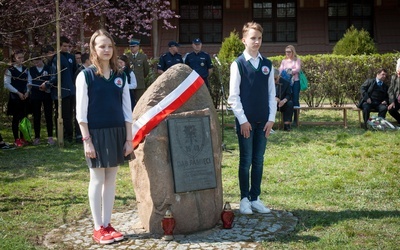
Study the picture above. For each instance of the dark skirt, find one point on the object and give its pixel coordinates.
(18, 106)
(109, 146)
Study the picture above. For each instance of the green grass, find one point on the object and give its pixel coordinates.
(342, 184)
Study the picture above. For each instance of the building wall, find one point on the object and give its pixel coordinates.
(312, 28)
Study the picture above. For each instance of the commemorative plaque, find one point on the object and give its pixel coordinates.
(191, 153)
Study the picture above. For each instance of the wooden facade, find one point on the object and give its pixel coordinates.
(311, 24)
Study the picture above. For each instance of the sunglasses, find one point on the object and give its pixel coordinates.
(288, 51)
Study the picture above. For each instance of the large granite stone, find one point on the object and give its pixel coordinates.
(152, 173)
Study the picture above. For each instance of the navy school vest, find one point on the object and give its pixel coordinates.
(254, 93)
(105, 99)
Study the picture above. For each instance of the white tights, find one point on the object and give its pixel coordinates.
(102, 194)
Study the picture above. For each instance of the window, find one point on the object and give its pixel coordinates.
(278, 19)
(200, 19)
(343, 14)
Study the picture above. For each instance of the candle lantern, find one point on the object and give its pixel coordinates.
(168, 225)
(227, 216)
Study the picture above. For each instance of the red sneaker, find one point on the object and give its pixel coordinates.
(24, 141)
(101, 236)
(117, 236)
(18, 143)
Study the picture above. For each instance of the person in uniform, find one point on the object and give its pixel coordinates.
(200, 61)
(140, 66)
(170, 58)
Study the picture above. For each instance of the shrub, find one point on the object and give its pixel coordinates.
(336, 79)
(231, 47)
(355, 42)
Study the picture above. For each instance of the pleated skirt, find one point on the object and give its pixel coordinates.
(109, 146)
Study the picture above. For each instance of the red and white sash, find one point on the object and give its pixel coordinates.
(166, 106)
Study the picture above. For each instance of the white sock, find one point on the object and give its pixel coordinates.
(101, 194)
(109, 194)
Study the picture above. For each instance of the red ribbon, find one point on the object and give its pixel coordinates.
(169, 104)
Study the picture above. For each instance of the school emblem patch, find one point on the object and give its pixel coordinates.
(265, 70)
(118, 82)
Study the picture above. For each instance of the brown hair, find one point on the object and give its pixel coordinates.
(93, 55)
(251, 25)
(125, 59)
(380, 70)
(15, 53)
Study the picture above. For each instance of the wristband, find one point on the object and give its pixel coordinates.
(86, 138)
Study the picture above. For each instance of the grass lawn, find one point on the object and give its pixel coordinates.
(342, 184)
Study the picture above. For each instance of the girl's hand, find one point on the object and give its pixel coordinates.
(128, 148)
(21, 96)
(89, 149)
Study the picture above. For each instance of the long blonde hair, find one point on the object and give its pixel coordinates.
(291, 47)
(93, 55)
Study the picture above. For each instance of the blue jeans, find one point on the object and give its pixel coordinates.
(252, 151)
(296, 93)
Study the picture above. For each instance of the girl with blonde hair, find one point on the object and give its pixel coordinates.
(103, 111)
(291, 66)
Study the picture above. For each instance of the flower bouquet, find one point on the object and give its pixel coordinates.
(380, 124)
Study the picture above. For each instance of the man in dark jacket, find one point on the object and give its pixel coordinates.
(283, 99)
(394, 96)
(374, 95)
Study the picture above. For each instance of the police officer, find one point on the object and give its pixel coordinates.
(200, 61)
(170, 58)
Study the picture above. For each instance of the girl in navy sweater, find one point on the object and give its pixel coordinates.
(103, 111)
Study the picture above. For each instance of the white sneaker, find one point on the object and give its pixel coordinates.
(245, 206)
(259, 207)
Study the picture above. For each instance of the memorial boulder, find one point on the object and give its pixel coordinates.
(177, 166)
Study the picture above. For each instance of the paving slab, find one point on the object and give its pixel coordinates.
(248, 232)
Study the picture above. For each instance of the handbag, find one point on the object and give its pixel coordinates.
(25, 127)
(303, 81)
(285, 75)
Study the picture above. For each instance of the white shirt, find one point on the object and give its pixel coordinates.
(82, 100)
(234, 90)
(133, 84)
(7, 79)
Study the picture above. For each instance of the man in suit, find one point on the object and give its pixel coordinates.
(374, 95)
(140, 66)
(283, 99)
(394, 95)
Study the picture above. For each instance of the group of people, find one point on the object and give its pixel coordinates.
(197, 60)
(257, 91)
(377, 96)
(288, 87)
(33, 88)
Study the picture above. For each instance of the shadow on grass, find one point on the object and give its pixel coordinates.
(311, 219)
